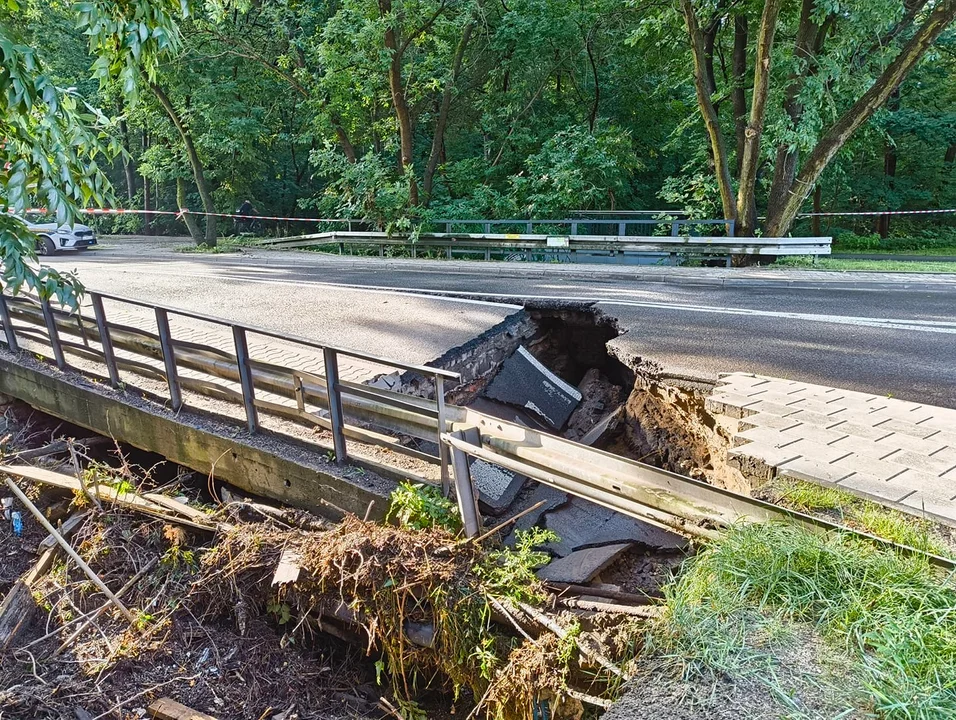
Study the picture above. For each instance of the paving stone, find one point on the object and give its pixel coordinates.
(908, 442)
(939, 507)
(497, 487)
(819, 452)
(818, 406)
(766, 420)
(772, 408)
(907, 428)
(929, 484)
(883, 469)
(814, 418)
(803, 468)
(581, 524)
(934, 465)
(873, 486)
(582, 566)
(857, 430)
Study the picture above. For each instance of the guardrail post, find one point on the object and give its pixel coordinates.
(245, 377)
(574, 228)
(675, 228)
(442, 449)
(169, 359)
(109, 356)
(731, 227)
(621, 229)
(487, 228)
(465, 489)
(8, 330)
(529, 228)
(335, 404)
(298, 391)
(53, 333)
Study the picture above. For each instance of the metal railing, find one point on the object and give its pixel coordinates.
(620, 225)
(246, 370)
(656, 496)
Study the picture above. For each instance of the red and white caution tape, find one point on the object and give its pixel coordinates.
(183, 211)
(879, 212)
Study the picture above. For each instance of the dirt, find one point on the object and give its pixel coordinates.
(642, 573)
(599, 397)
(668, 426)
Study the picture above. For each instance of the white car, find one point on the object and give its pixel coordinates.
(52, 237)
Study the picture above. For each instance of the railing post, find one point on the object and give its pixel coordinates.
(529, 227)
(335, 404)
(298, 391)
(169, 359)
(731, 227)
(621, 229)
(53, 333)
(574, 228)
(109, 356)
(8, 331)
(465, 489)
(442, 448)
(675, 227)
(245, 377)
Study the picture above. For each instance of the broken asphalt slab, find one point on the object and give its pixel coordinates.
(497, 487)
(582, 524)
(525, 382)
(582, 566)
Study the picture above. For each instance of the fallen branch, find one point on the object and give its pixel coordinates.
(644, 611)
(510, 520)
(542, 619)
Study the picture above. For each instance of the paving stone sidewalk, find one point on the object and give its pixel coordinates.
(895, 452)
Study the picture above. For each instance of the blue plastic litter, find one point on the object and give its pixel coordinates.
(16, 519)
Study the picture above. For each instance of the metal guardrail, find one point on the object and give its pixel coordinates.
(651, 494)
(573, 224)
(552, 246)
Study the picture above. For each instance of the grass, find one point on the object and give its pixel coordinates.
(894, 616)
(843, 265)
(231, 244)
(941, 250)
(860, 513)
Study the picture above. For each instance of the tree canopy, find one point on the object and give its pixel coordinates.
(397, 111)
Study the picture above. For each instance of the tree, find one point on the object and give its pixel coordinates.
(867, 80)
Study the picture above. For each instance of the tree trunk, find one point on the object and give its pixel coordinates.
(817, 208)
(738, 94)
(400, 103)
(889, 172)
(438, 139)
(191, 225)
(129, 169)
(779, 219)
(808, 43)
(746, 194)
(195, 163)
(147, 190)
(708, 112)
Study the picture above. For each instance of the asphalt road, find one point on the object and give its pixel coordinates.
(882, 333)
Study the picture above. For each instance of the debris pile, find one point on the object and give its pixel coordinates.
(143, 597)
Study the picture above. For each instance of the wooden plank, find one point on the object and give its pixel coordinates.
(18, 607)
(104, 492)
(168, 709)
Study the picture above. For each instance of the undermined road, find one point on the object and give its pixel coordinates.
(880, 333)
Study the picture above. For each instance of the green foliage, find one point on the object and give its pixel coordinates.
(510, 572)
(867, 515)
(50, 142)
(895, 614)
(420, 507)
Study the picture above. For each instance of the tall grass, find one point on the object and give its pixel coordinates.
(894, 614)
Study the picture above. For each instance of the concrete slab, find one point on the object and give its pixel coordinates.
(525, 382)
(582, 566)
(582, 524)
